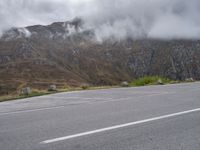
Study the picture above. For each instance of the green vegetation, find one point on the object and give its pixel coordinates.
(85, 86)
(150, 80)
(147, 80)
(21, 96)
(34, 93)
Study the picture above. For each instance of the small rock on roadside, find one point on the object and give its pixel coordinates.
(26, 91)
(160, 82)
(52, 88)
(189, 80)
(124, 84)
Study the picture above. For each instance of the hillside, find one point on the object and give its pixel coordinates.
(65, 54)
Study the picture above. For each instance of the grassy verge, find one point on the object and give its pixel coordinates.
(151, 80)
(16, 96)
(147, 80)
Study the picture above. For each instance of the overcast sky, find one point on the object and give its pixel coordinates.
(118, 18)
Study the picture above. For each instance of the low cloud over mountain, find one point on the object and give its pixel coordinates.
(165, 19)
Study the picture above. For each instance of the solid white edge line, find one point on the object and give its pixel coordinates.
(118, 126)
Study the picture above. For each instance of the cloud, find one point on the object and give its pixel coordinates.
(166, 19)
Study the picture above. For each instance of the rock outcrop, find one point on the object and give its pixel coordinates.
(64, 53)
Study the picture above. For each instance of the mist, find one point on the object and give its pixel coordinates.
(119, 19)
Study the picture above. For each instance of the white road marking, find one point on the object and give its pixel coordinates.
(41, 109)
(31, 110)
(117, 126)
(129, 98)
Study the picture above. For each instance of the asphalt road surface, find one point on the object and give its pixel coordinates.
(143, 118)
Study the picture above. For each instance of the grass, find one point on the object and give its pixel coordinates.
(16, 96)
(147, 80)
(150, 80)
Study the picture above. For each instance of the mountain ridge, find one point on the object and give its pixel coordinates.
(66, 54)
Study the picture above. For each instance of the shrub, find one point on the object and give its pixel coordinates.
(150, 80)
(85, 86)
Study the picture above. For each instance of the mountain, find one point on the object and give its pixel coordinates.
(65, 54)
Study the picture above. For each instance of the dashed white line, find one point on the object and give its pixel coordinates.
(117, 127)
(32, 110)
(41, 109)
(129, 98)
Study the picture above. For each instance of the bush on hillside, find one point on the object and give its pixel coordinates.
(150, 80)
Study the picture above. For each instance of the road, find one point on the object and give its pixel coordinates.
(142, 118)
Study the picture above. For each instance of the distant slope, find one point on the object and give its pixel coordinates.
(65, 54)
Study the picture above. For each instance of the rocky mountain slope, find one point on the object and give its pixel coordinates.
(63, 53)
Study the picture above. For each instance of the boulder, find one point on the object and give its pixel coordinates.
(124, 84)
(160, 82)
(52, 88)
(26, 91)
(189, 80)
